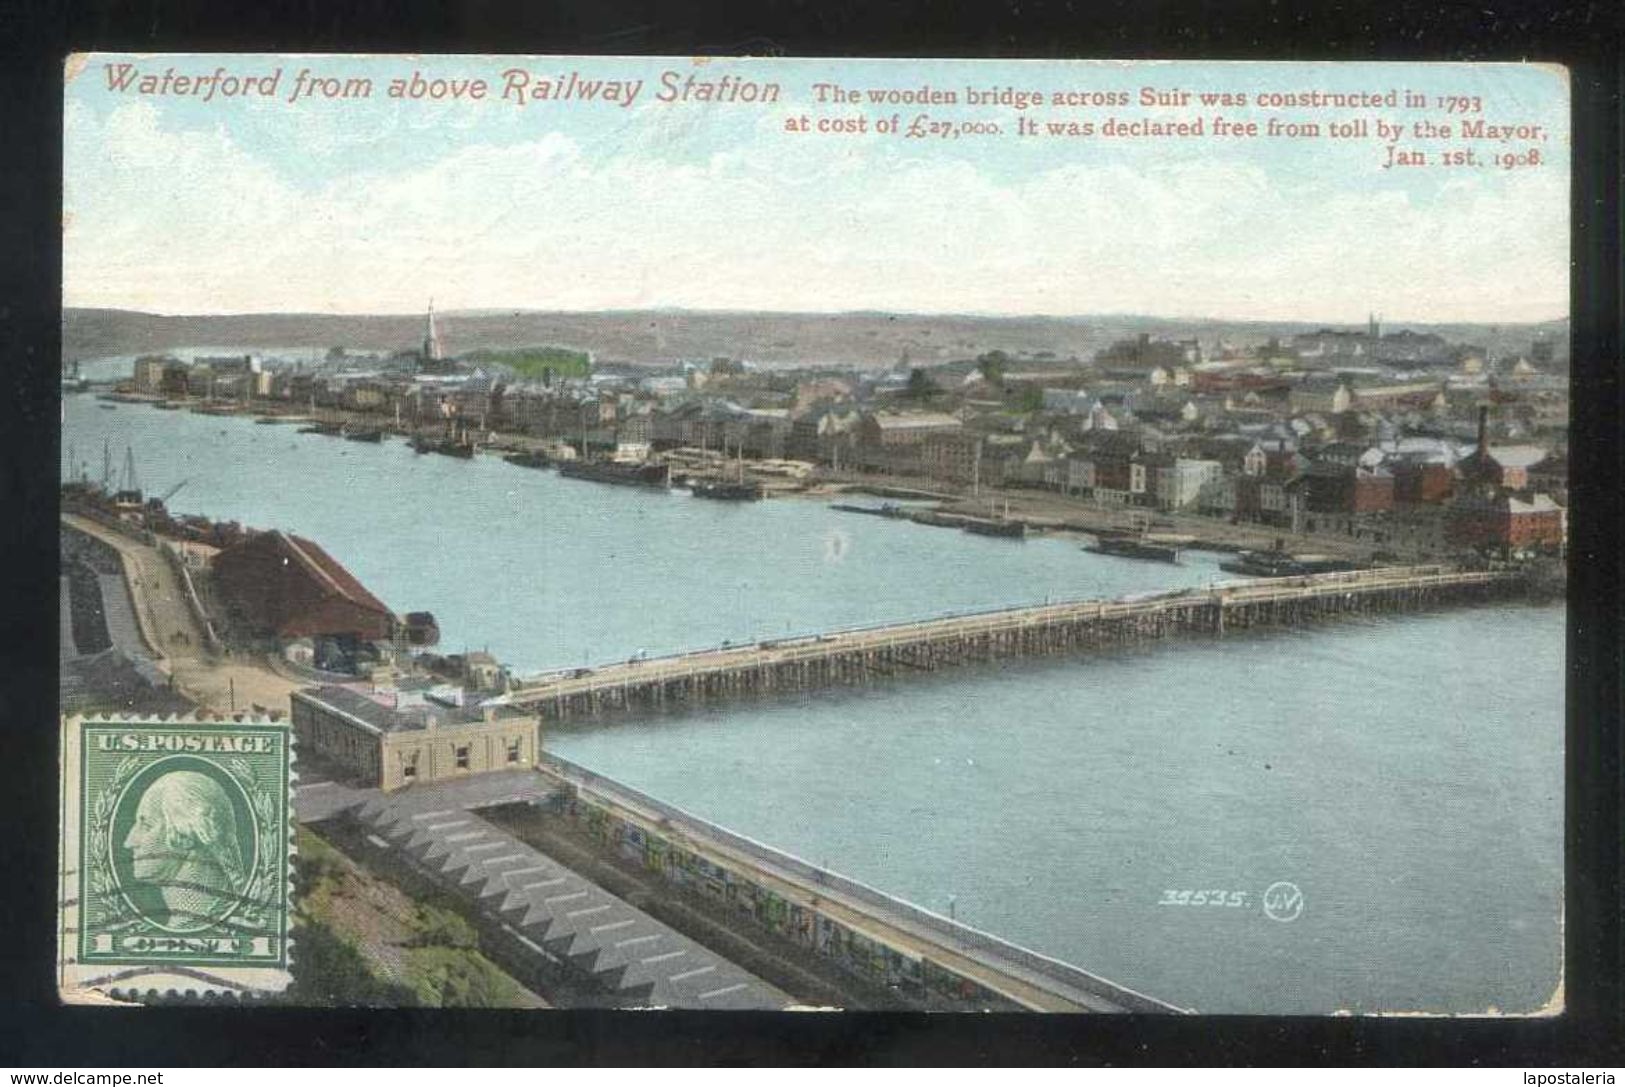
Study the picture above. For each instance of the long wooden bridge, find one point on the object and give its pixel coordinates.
(860, 655)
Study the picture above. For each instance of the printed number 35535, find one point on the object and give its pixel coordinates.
(1234, 899)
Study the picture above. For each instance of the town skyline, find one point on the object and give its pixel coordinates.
(1121, 315)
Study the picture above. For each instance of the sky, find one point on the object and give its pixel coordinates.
(251, 204)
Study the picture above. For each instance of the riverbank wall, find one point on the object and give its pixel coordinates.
(822, 910)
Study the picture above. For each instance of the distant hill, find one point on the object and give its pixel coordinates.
(863, 340)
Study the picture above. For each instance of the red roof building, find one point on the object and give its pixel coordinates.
(288, 586)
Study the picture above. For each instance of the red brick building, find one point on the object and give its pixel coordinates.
(1347, 489)
(288, 586)
(1422, 484)
(1506, 523)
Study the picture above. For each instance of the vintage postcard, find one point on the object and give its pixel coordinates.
(726, 533)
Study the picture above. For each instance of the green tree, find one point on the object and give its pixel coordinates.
(920, 386)
(992, 366)
(722, 366)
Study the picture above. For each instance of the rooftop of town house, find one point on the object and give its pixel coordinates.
(408, 708)
(915, 419)
(1540, 503)
(1517, 456)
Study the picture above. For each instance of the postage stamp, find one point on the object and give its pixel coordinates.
(175, 856)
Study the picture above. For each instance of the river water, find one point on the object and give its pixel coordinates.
(1404, 775)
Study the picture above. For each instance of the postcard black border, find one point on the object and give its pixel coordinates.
(37, 1032)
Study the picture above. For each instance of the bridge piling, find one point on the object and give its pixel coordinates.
(851, 658)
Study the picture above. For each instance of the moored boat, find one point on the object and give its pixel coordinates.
(1007, 530)
(529, 460)
(887, 509)
(1282, 564)
(626, 475)
(1129, 547)
(748, 491)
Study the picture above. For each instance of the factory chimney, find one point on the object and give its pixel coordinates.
(1483, 430)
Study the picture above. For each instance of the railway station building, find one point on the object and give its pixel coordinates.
(393, 738)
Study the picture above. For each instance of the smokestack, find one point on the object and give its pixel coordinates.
(1483, 428)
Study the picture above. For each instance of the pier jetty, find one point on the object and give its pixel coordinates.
(860, 655)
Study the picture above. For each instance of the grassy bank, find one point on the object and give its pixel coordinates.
(360, 941)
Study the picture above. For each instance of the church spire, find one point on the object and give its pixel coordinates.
(431, 337)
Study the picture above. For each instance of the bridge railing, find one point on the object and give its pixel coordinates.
(962, 937)
(643, 671)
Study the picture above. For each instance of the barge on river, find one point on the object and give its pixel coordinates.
(747, 491)
(888, 509)
(624, 475)
(1282, 564)
(1134, 547)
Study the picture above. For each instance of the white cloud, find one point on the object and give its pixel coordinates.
(190, 221)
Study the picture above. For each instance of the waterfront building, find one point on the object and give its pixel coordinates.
(764, 433)
(220, 365)
(287, 586)
(1041, 464)
(199, 381)
(1179, 482)
(1080, 475)
(1506, 523)
(1349, 489)
(149, 373)
(888, 430)
(365, 392)
(1218, 496)
(173, 381)
(1493, 508)
(821, 431)
(395, 737)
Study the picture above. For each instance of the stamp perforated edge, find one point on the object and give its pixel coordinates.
(94, 984)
